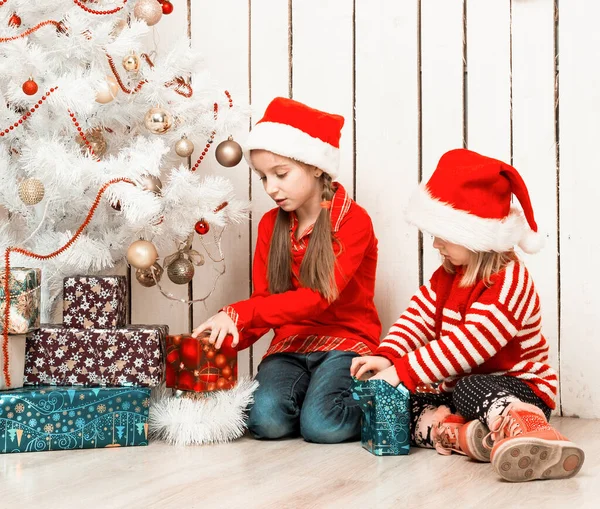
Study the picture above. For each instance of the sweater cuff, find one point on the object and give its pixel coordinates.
(403, 370)
(232, 313)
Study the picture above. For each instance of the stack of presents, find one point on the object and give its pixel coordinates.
(86, 383)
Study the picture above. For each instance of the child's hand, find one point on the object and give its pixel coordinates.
(389, 375)
(375, 363)
(220, 325)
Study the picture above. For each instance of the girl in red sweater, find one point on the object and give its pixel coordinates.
(474, 331)
(313, 277)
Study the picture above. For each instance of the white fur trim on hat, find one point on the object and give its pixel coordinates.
(294, 143)
(468, 230)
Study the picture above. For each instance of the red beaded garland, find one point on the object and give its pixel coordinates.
(31, 30)
(28, 114)
(100, 13)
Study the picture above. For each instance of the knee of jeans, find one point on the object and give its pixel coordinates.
(320, 430)
(268, 417)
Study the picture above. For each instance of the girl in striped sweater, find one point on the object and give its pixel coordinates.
(470, 347)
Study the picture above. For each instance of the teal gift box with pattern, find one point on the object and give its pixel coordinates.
(385, 428)
(64, 418)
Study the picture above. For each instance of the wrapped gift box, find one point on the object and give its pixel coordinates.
(385, 429)
(95, 302)
(24, 288)
(128, 356)
(193, 364)
(16, 362)
(51, 418)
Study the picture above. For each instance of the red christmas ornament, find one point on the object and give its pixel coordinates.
(190, 351)
(221, 383)
(177, 340)
(220, 361)
(167, 7)
(186, 381)
(202, 227)
(173, 357)
(30, 87)
(226, 372)
(15, 21)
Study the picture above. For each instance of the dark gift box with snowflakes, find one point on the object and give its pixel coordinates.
(56, 418)
(193, 364)
(95, 302)
(24, 290)
(385, 428)
(127, 356)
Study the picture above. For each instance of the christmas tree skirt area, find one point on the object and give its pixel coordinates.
(188, 418)
(248, 473)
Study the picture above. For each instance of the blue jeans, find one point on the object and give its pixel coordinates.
(305, 394)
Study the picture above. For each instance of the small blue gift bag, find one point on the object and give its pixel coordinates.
(385, 427)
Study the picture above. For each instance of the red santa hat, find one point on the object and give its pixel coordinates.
(467, 201)
(292, 129)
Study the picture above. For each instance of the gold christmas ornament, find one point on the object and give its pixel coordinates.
(184, 147)
(96, 139)
(31, 191)
(229, 153)
(151, 183)
(142, 254)
(131, 63)
(149, 11)
(107, 91)
(158, 120)
(144, 276)
(181, 271)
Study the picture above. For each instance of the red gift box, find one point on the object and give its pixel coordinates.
(193, 364)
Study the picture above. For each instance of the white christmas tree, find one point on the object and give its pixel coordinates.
(86, 99)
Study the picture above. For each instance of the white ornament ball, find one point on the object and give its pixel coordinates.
(149, 11)
(31, 191)
(184, 147)
(107, 90)
(142, 254)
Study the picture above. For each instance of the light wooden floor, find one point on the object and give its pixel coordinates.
(284, 474)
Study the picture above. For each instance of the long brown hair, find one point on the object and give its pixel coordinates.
(317, 270)
(482, 266)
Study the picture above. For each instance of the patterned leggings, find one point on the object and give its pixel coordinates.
(480, 397)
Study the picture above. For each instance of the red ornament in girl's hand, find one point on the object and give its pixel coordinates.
(202, 227)
(191, 352)
(167, 7)
(30, 87)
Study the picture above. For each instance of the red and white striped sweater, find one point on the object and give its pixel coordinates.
(448, 332)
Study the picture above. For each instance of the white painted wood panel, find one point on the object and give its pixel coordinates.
(488, 78)
(442, 93)
(147, 304)
(579, 43)
(322, 66)
(534, 147)
(220, 33)
(387, 144)
(270, 78)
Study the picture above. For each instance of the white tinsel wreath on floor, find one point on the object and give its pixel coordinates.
(200, 418)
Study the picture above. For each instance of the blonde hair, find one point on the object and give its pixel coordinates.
(482, 266)
(317, 270)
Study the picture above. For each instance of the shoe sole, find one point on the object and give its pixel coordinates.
(530, 458)
(473, 442)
